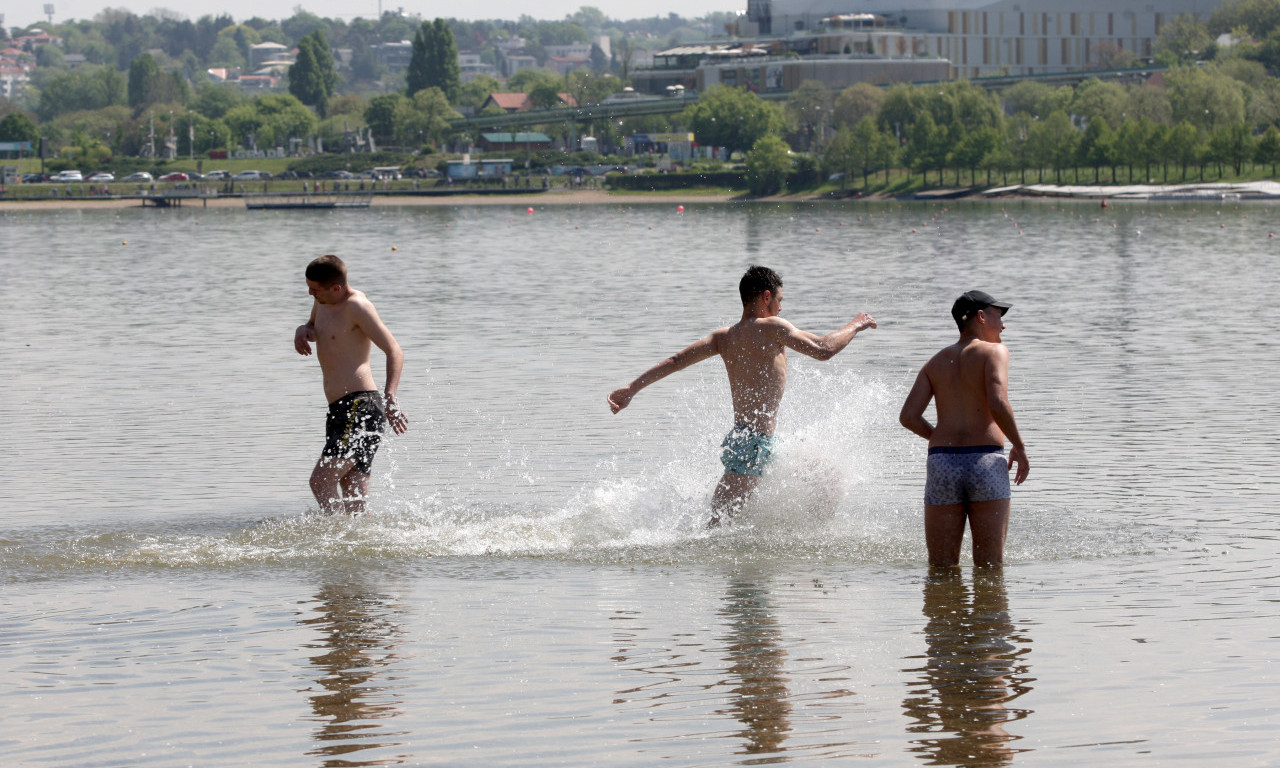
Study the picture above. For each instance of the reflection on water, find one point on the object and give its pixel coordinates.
(354, 691)
(756, 657)
(976, 666)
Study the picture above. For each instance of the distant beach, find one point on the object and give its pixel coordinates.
(576, 197)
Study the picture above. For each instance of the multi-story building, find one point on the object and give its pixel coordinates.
(984, 37)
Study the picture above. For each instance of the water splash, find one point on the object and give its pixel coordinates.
(845, 484)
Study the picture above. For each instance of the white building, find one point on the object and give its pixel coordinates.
(989, 37)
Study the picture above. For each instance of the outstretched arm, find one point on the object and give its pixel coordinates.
(306, 333)
(377, 332)
(696, 352)
(1002, 410)
(825, 347)
(912, 414)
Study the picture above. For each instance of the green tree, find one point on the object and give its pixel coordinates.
(384, 115)
(809, 108)
(1182, 40)
(768, 163)
(16, 126)
(81, 89)
(272, 120)
(225, 53)
(313, 80)
(1054, 141)
(1134, 146)
(526, 80)
(1149, 102)
(148, 84)
(50, 56)
(213, 100)
(591, 88)
(545, 95)
(1094, 98)
(922, 144)
(1182, 145)
(426, 119)
(972, 150)
(864, 147)
(1097, 147)
(477, 92)
(1232, 145)
(1259, 17)
(1268, 149)
(1204, 97)
(435, 60)
(1036, 99)
(732, 118)
(856, 102)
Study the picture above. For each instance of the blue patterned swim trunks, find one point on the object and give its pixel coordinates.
(745, 451)
(966, 473)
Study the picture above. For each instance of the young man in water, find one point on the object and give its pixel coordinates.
(344, 325)
(967, 475)
(754, 351)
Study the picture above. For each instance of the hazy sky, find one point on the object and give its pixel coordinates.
(19, 13)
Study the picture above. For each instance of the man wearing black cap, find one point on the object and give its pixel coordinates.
(967, 473)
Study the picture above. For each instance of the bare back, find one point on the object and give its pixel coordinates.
(961, 377)
(343, 345)
(755, 357)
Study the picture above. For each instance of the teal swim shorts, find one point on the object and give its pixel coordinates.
(745, 451)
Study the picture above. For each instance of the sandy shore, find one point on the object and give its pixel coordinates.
(576, 197)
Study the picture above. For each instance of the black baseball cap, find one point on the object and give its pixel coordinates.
(972, 301)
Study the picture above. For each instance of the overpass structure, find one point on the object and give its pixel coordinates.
(673, 104)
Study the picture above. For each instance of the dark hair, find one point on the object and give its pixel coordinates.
(756, 281)
(328, 271)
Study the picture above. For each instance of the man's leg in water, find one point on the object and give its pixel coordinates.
(731, 493)
(327, 483)
(944, 531)
(989, 526)
(355, 487)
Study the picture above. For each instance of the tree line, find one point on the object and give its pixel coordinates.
(1214, 111)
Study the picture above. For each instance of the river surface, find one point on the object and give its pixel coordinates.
(533, 584)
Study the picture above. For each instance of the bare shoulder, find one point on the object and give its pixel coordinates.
(776, 326)
(946, 356)
(360, 306)
(992, 350)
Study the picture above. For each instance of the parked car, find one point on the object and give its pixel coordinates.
(217, 175)
(34, 178)
(338, 175)
(102, 176)
(139, 176)
(67, 176)
(193, 176)
(251, 175)
(175, 176)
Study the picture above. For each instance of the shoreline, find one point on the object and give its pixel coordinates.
(1185, 192)
(538, 199)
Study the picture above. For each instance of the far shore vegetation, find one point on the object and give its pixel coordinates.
(112, 89)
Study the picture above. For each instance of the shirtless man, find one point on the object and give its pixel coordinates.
(754, 351)
(967, 475)
(344, 325)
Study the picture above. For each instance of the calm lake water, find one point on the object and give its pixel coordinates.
(533, 585)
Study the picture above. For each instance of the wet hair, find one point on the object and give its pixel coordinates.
(756, 281)
(328, 271)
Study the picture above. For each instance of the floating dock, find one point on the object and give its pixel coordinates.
(269, 202)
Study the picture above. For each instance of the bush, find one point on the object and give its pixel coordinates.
(354, 162)
(768, 164)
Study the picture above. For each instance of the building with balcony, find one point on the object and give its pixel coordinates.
(984, 37)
